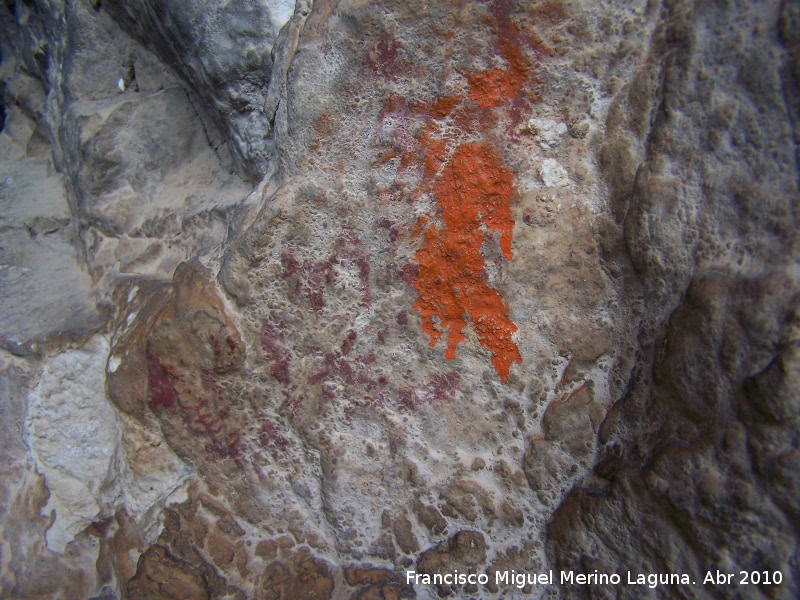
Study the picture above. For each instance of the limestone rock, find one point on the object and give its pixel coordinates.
(73, 435)
(224, 53)
(720, 320)
(464, 552)
(40, 269)
(296, 297)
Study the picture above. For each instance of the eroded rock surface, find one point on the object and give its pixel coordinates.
(694, 447)
(516, 289)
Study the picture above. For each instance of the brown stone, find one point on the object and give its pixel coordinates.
(303, 577)
(404, 536)
(512, 514)
(465, 551)
(267, 549)
(162, 576)
(376, 584)
(430, 517)
(469, 499)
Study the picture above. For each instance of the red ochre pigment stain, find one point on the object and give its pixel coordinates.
(473, 191)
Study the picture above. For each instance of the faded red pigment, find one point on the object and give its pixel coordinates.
(161, 392)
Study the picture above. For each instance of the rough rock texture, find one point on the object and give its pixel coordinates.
(224, 52)
(694, 467)
(297, 298)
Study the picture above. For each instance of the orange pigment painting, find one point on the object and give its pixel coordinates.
(473, 191)
(489, 89)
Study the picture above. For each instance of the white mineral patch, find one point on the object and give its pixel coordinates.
(113, 363)
(73, 435)
(547, 131)
(94, 460)
(553, 174)
(281, 11)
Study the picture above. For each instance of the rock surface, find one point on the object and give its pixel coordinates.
(298, 298)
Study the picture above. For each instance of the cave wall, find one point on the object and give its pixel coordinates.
(297, 298)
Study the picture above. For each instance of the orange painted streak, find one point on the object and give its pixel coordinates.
(475, 188)
(444, 106)
(489, 89)
(418, 227)
(449, 266)
(473, 191)
(435, 153)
